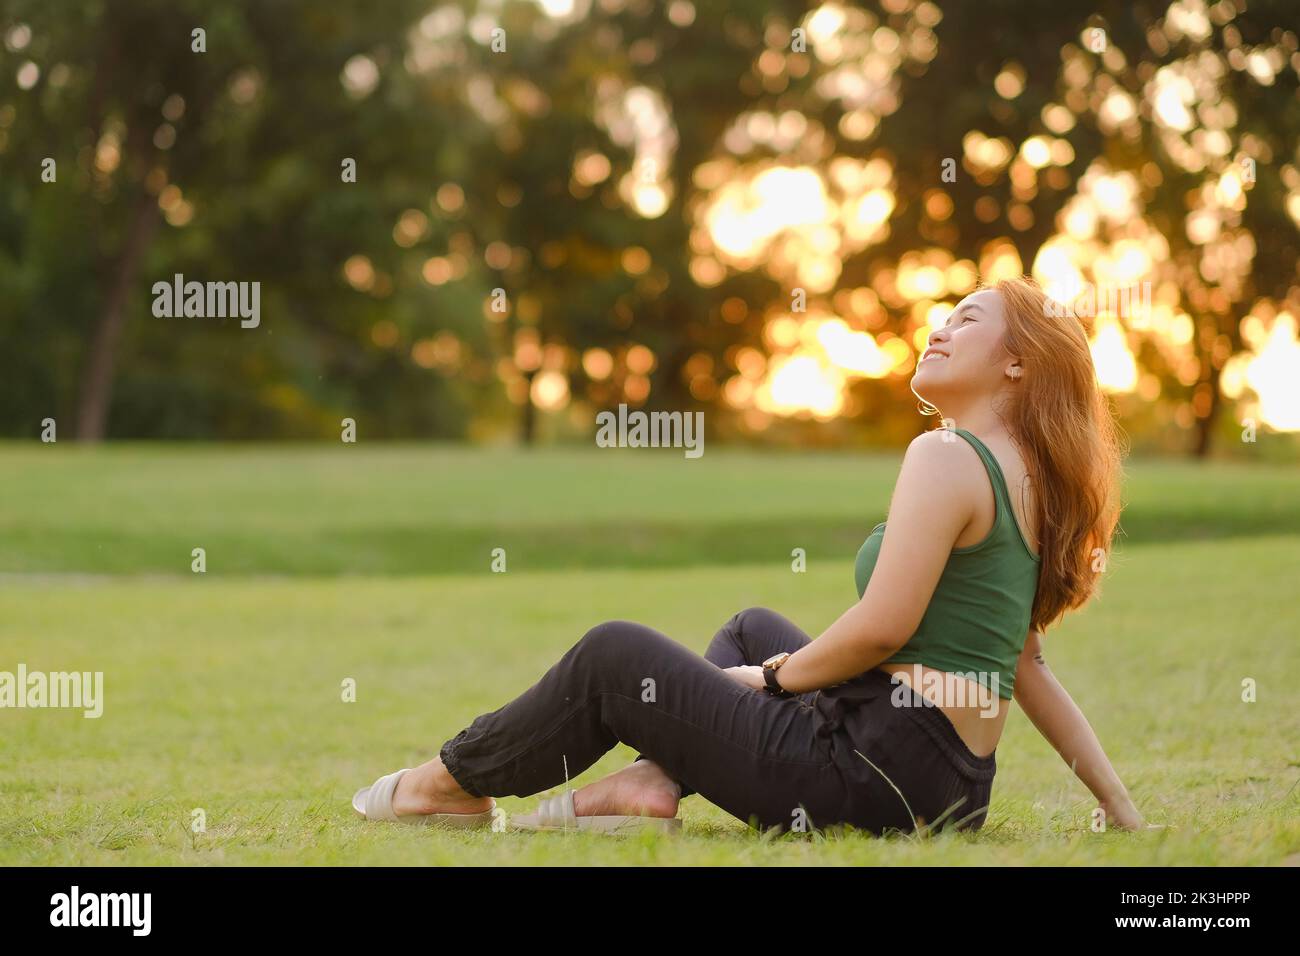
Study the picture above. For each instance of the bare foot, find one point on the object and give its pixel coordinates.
(429, 788)
(641, 789)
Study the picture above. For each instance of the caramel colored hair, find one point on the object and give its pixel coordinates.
(1063, 425)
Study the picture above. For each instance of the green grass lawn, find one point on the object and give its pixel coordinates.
(223, 690)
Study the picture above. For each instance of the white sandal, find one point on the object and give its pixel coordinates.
(375, 802)
(557, 813)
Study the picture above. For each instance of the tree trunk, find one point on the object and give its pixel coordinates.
(1205, 426)
(528, 421)
(97, 377)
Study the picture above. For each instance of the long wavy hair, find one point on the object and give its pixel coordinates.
(1067, 435)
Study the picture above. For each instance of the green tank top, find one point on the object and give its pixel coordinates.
(978, 618)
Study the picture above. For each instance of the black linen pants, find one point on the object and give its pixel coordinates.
(865, 752)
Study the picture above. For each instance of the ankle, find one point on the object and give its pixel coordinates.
(439, 786)
(416, 792)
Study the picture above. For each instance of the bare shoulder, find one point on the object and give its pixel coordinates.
(945, 455)
(940, 470)
(934, 498)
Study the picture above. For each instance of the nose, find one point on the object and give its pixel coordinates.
(938, 335)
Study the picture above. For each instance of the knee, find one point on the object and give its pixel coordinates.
(609, 636)
(753, 616)
(617, 647)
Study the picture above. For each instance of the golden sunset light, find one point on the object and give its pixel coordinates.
(1270, 373)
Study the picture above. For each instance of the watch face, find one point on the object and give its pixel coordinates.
(776, 660)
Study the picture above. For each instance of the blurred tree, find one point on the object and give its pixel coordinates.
(998, 139)
(601, 122)
(737, 205)
(1201, 105)
(222, 165)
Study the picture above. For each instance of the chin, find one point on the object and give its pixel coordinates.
(923, 379)
(930, 387)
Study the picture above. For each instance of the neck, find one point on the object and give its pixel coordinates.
(977, 417)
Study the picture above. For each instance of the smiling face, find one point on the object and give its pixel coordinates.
(967, 357)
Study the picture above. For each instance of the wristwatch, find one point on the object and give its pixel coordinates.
(770, 667)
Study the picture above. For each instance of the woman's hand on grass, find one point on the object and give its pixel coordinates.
(1126, 816)
(750, 675)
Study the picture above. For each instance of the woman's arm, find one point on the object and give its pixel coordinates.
(1059, 720)
(934, 500)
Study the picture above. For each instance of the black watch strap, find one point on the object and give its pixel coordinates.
(773, 685)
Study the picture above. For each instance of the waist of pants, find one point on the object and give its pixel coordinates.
(868, 702)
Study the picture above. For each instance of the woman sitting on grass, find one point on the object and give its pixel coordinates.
(999, 524)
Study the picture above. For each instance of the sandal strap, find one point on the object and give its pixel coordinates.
(379, 799)
(558, 811)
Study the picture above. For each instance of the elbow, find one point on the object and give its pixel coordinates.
(888, 641)
(880, 632)
(1030, 681)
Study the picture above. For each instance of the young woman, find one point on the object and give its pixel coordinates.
(999, 524)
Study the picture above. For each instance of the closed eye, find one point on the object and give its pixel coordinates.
(965, 317)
